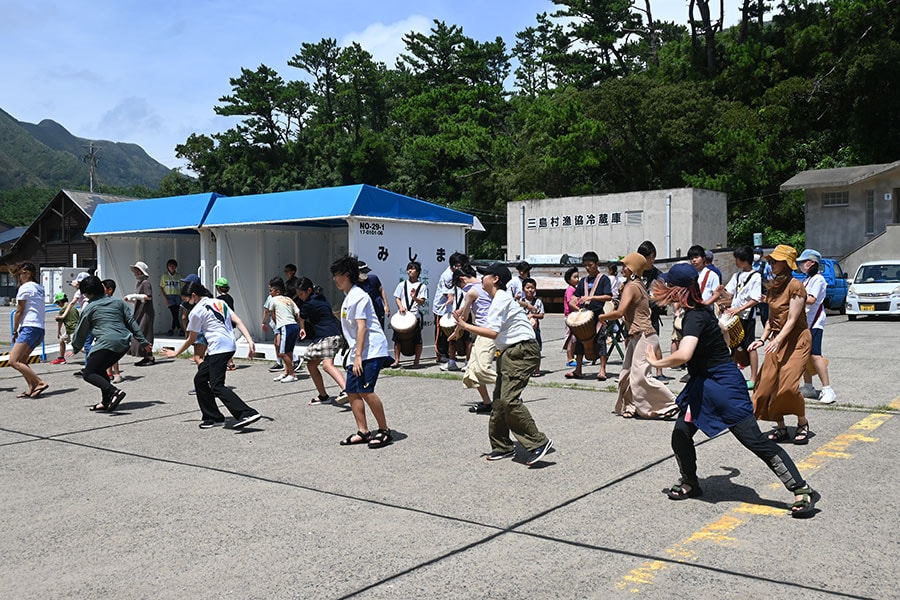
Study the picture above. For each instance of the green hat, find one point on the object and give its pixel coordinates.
(221, 282)
(59, 296)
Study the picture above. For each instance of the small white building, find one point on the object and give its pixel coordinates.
(249, 239)
(613, 225)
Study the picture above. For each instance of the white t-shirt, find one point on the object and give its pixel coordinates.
(212, 318)
(712, 282)
(744, 286)
(404, 292)
(444, 286)
(33, 295)
(514, 287)
(508, 319)
(358, 305)
(815, 286)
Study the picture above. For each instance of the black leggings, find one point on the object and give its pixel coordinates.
(747, 432)
(98, 361)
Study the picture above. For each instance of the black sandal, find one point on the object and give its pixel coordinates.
(779, 434)
(677, 491)
(363, 438)
(381, 438)
(806, 506)
(801, 435)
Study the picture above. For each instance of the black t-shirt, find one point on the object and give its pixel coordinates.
(319, 319)
(227, 299)
(602, 288)
(712, 350)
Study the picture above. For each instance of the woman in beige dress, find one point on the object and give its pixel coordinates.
(640, 394)
(787, 343)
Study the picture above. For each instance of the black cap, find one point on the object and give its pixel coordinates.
(499, 270)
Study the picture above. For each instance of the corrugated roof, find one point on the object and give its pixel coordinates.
(840, 177)
(88, 202)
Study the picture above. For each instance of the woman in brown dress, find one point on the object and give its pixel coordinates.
(787, 344)
(640, 394)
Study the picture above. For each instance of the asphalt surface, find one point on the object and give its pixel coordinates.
(142, 504)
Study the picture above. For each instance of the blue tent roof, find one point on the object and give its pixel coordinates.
(329, 204)
(156, 214)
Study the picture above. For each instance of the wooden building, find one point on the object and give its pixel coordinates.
(58, 233)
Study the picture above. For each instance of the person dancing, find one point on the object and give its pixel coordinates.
(316, 317)
(788, 343)
(715, 397)
(640, 394)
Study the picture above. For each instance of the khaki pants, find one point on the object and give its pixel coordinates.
(514, 368)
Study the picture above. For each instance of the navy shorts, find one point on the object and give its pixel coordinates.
(365, 383)
(33, 336)
(816, 341)
(289, 335)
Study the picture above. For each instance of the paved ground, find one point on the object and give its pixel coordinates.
(143, 504)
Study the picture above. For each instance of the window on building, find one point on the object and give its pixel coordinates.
(870, 212)
(634, 217)
(835, 198)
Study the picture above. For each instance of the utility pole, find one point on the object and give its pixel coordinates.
(92, 160)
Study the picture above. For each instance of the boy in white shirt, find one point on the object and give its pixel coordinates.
(411, 296)
(745, 291)
(708, 280)
(368, 351)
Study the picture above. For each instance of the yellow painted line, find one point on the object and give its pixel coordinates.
(719, 531)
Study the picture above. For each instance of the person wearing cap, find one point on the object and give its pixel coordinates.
(67, 318)
(640, 395)
(115, 330)
(517, 357)
(744, 290)
(170, 286)
(715, 397)
(368, 354)
(787, 343)
(816, 286)
(28, 327)
(764, 269)
(144, 313)
(370, 284)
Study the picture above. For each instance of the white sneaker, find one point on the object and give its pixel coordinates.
(450, 366)
(827, 395)
(288, 379)
(808, 391)
(279, 377)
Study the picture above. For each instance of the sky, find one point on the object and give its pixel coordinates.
(150, 73)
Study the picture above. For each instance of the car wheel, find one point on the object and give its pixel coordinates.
(851, 317)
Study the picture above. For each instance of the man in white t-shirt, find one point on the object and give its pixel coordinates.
(518, 356)
(368, 353)
(707, 279)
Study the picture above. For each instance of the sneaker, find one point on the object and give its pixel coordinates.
(288, 379)
(538, 453)
(58, 361)
(808, 391)
(481, 408)
(571, 363)
(276, 367)
(211, 424)
(664, 378)
(243, 422)
(79, 373)
(500, 454)
(827, 396)
(450, 366)
(192, 392)
(118, 379)
(342, 398)
(279, 377)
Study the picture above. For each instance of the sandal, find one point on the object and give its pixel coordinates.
(98, 407)
(115, 400)
(25, 394)
(37, 391)
(321, 399)
(779, 434)
(381, 438)
(805, 507)
(362, 438)
(678, 491)
(801, 436)
(601, 377)
(573, 375)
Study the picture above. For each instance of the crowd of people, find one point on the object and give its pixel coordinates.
(493, 319)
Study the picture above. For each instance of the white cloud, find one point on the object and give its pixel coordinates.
(131, 118)
(385, 42)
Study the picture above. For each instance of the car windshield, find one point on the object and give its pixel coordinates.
(878, 274)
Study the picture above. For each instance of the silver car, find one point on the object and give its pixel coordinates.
(875, 290)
